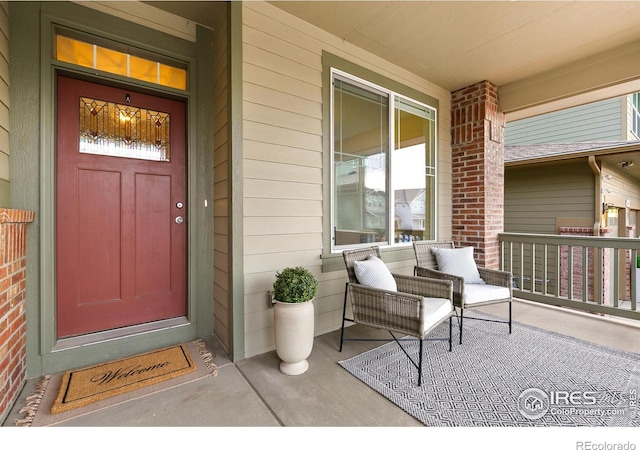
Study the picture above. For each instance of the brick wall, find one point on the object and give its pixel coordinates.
(477, 134)
(13, 327)
(629, 265)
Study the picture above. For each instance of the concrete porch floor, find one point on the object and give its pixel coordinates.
(253, 392)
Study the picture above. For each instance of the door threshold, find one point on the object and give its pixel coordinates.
(119, 333)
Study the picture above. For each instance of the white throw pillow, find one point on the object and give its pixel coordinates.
(374, 273)
(458, 261)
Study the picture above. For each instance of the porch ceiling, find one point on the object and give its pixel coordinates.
(543, 55)
(458, 43)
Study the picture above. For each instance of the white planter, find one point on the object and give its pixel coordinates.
(294, 328)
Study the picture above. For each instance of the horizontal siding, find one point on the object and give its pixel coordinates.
(282, 189)
(286, 137)
(536, 196)
(266, 226)
(262, 151)
(283, 119)
(283, 173)
(283, 161)
(598, 121)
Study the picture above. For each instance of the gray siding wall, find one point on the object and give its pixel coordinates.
(537, 196)
(600, 121)
(5, 193)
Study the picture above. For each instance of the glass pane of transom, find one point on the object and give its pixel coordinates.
(143, 69)
(85, 54)
(73, 51)
(173, 77)
(111, 61)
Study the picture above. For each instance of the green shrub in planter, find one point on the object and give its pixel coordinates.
(638, 262)
(295, 285)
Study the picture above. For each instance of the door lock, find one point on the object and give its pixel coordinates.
(179, 220)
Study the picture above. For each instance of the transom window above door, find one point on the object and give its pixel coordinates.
(384, 166)
(141, 66)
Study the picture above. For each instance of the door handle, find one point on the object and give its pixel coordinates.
(179, 220)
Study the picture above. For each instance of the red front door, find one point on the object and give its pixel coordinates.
(120, 208)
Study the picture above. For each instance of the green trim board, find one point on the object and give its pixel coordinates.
(201, 247)
(24, 140)
(5, 194)
(236, 174)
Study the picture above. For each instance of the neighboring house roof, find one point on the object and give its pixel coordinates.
(528, 154)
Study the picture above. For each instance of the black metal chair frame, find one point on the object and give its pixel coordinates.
(411, 290)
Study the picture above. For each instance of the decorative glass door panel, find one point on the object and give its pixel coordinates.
(113, 129)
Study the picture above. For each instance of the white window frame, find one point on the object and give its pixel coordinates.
(635, 114)
(392, 95)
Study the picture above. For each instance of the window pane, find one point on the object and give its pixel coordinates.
(111, 61)
(413, 172)
(74, 52)
(361, 147)
(173, 77)
(143, 69)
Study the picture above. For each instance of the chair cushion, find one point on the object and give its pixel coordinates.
(435, 309)
(458, 261)
(479, 293)
(374, 273)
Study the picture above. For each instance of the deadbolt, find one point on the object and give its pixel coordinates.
(179, 205)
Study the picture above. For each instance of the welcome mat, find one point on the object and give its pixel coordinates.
(531, 378)
(64, 396)
(83, 386)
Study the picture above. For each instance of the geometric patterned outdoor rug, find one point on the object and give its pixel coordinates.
(61, 397)
(530, 378)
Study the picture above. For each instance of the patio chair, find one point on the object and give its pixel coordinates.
(472, 286)
(406, 304)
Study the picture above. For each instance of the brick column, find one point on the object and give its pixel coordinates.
(477, 145)
(13, 328)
